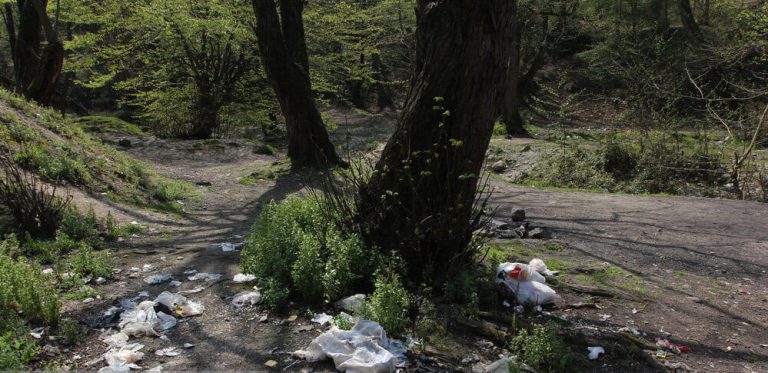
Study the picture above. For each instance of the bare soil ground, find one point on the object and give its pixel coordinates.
(701, 265)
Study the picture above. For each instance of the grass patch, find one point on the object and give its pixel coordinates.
(103, 124)
(615, 277)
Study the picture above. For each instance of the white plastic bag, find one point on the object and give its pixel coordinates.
(360, 350)
(246, 298)
(526, 285)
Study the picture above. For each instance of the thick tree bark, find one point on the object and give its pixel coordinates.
(419, 200)
(37, 65)
(510, 111)
(688, 20)
(284, 55)
(206, 117)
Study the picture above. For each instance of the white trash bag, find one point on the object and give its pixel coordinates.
(526, 285)
(360, 350)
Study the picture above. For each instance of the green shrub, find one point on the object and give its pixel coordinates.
(388, 305)
(295, 247)
(16, 351)
(170, 191)
(72, 331)
(575, 168)
(25, 293)
(87, 262)
(543, 349)
(79, 227)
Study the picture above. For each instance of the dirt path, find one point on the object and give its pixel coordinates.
(703, 261)
(713, 250)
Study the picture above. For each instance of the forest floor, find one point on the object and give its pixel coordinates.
(691, 270)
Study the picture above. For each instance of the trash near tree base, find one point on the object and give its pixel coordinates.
(364, 349)
(525, 283)
(246, 298)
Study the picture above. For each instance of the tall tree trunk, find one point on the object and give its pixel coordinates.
(206, 116)
(37, 65)
(381, 76)
(659, 10)
(510, 111)
(688, 20)
(284, 55)
(419, 200)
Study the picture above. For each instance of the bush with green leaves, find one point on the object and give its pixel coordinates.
(16, 351)
(542, 349)
(87, 262)
(389, 304)
(25, 293)
(574, 168)
(295, 248)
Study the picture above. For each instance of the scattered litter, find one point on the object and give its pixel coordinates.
(165, 338)
(135, 269)
(322, 318)
(595, 352)
(764, 345)
(634, 311)
(180, 304)
(193, 308)
(158, 368)
(627, 329)
(197, 289)
(116, 340)
(143, 294)
(203, 276)
(168, 321)
(124, 359)
(228, 246)
(604, 316)
(352, 303)
(170, 352)
(134, 222)
(502, 365)
(88, 300)
(538, 265)
(163, 258)
(190, 271)
(188, 345)
(264, 318)
(67, 275)
(141, 320)
(240, 278)
(363, 349)
(175, 283)
(661, 354)
(37, 333)
(270, 363)
(48, 271)
(157, 279)
(729, 348)
(525, 285)
(147, 268)
(101, 281)
(667, 345)
(246, 298)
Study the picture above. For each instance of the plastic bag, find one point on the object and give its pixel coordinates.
(204, 276)
(246, 298)
(157, 279)
(191, 308)
(360, 350)
(240, 278)
(525, 285)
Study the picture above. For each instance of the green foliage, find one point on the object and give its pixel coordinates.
(109, 125)
(294, 247)
(389, 303)
(72, 331)
(79, 227)
(542, 349)
(87, 262)
(343, 321)
(574, 168)
(16, 351)
(25, 293)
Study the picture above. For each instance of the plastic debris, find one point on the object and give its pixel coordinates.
(190, 271)
(203, 276)
(525, 285)
(363, 349)
(595, 352)
(661, 354)
(667, 345)
(246, 298)
(157, 279)
(270, 363)
(141, 320)
(37, 333)
(352, 303)
(197, 289)
(167, 321)
(170, 352)
(143, 294)
(180, 304)
(322, 318)
(193, 308)
(175, 283)
(538, 265)
(188, 345)
(123, 359)
(147, 268)
(240, 278)
(48, 271)
(101, 281)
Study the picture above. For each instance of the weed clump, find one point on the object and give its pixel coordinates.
(294, 248)
(542, 349)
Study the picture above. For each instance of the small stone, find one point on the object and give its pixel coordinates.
(264, 318)
(188, 345)
(271, 363)
(538, 233)
(499, 167)
(292, 318)
(518, 215)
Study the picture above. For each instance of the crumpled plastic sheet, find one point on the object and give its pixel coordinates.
(322, 318)
(246, 298)
(364, 349)
(142, 320)
(204, 276)
(526, 282)
(240, 278)
(180, 304)
(123, 359)
(157, 279)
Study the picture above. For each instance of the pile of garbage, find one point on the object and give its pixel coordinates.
(146, 318)
(525, 284)
(517, 228)
(363, 349)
